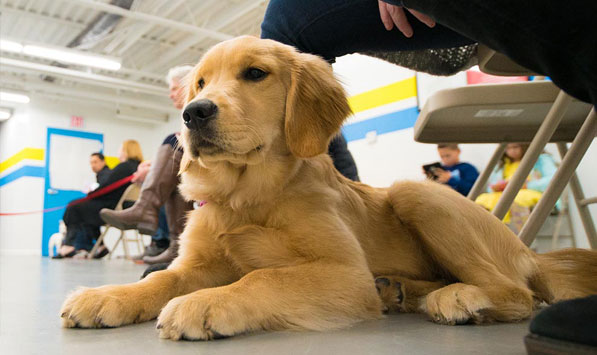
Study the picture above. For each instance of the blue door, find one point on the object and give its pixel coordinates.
(67, 173)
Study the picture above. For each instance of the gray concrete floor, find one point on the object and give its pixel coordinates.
(32, 290)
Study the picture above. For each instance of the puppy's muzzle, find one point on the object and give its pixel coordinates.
(197, 114)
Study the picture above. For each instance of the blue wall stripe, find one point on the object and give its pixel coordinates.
(390, 122)
(25, 170)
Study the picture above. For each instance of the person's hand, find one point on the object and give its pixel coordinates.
(499, 186)
(443, 176)
(141, 172)
(394, 15)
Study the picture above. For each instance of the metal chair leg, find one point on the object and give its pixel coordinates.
(555, 238)
(545, 132)
(481, 182)
(98, 242)
(116, 244)
(579, 146)
(125, 246)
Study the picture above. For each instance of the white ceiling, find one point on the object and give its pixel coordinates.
(150, 38)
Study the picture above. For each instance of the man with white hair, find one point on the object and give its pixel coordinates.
(160, 179)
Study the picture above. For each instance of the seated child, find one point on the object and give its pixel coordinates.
(531, 191)
(458, 175)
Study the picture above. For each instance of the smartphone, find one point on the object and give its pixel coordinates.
(430, 169)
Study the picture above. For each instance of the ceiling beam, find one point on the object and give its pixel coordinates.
(151, 19)
(96, 79)
(7, 10)
(187, 43)
(37, 86)
(72, 26)
(125, 42)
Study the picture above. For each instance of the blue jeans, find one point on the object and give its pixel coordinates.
(333, 28)
(553, 38)
(162, 235)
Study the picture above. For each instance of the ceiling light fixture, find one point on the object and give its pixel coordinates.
(5, 113)
(14, 97)
(74, 57)
(64, 55)
(10, 46)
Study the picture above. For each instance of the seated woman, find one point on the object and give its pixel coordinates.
(531, 191)
(82, 220)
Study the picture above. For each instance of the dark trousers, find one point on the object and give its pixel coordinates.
(557, 39)
(83, 221)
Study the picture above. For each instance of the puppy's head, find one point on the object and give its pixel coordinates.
(249, 97)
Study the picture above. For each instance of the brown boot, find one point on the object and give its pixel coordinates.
(158, 186)
(176, 208)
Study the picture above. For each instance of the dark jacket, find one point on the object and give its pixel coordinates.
(343, 160)
(463, 177)
(119, 172)
(102, 175)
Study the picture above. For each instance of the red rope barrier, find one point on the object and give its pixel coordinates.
(92, 195)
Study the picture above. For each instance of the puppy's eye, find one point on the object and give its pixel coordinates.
(254, 74)
(201, 83)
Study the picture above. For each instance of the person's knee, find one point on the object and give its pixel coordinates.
(279, 23)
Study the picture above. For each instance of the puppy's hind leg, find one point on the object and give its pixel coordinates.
(400, 294)
(471, 246)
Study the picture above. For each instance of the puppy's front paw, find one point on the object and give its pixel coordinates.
(203, 315)
(102, 307)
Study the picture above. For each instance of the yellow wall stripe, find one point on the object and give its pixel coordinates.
(25, 153)
(38, 154)
(384, 95)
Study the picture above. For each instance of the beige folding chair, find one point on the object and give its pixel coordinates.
(130, 194)
(563, 215)
(535, 112)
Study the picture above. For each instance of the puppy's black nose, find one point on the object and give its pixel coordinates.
(198, 113)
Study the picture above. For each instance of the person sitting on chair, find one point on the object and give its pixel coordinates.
(82, 220)
(531, 191)
(99, 167)
(452, 172)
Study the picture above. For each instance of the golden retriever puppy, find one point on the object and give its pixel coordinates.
(286, 242)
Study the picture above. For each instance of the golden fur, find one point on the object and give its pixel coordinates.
(286, 242)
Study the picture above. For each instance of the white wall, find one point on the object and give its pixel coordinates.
(27, 128)
(587, 174)
(385, 158)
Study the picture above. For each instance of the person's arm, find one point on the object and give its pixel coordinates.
(546, 167)
(466, 179)
(102, 175)
(119, 172)
(496, 176)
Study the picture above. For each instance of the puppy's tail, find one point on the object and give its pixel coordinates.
(567, 273)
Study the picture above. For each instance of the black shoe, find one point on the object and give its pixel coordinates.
(101, 252)
(155, 267)
(152, 250)
(60, 256)
(568, 327)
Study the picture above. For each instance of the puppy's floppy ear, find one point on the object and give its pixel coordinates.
(316, 106)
